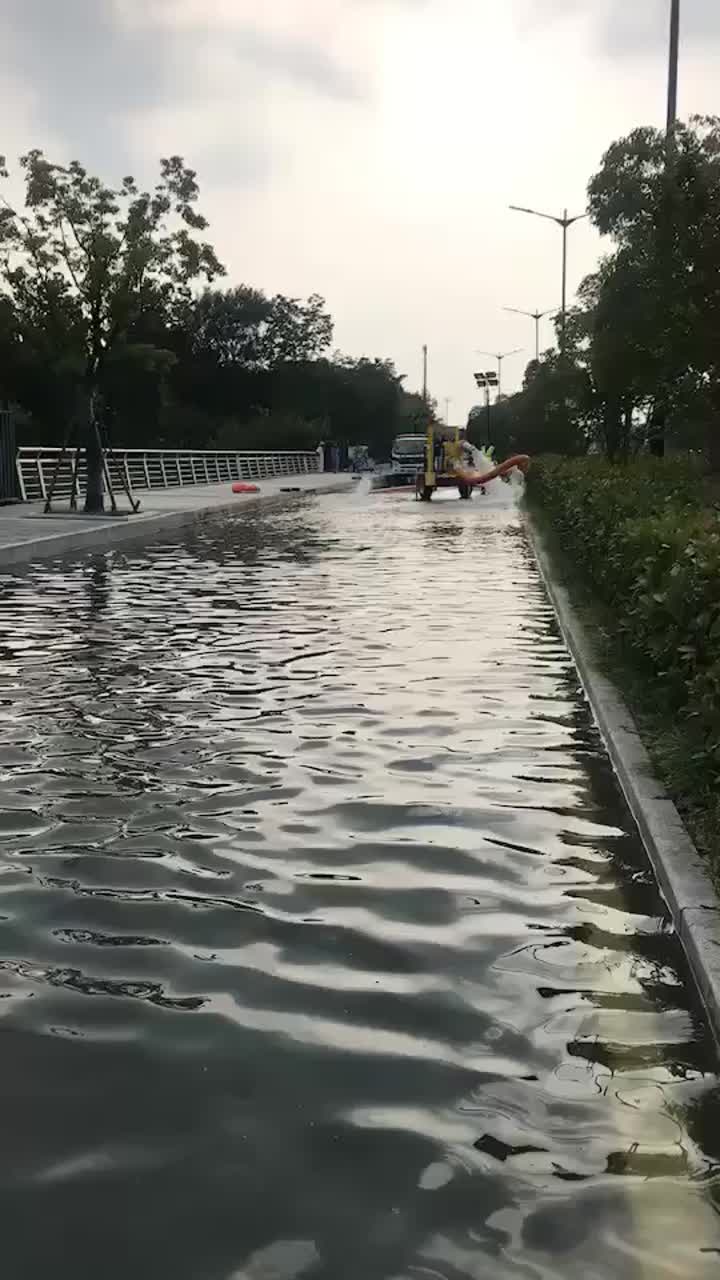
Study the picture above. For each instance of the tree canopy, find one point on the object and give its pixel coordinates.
(112, 315)
(642, 360)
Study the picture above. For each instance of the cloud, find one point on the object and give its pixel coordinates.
(83, 68)
(93, 67)
(299, 60)
(643, 28)
(287, 41)
(630, 28)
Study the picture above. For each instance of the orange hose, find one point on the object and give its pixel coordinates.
(519, 460)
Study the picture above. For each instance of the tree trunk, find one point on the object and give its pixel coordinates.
(95, 485)
(656, 435)
(612, 429)
(627, 430)
(713, 443)
(714, 447)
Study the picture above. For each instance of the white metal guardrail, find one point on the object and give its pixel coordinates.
(158, 468)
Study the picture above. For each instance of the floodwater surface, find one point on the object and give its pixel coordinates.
(328, 948)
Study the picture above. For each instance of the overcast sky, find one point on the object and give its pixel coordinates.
(365, 149)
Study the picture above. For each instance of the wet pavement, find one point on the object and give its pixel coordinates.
(328, 948)
(26, 533)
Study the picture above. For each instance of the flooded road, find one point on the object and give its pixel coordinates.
(327, 946)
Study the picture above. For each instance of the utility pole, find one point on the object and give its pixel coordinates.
(425, 358)
(448, 402)
(673, 70)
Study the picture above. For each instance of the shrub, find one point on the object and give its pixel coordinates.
(650, 550)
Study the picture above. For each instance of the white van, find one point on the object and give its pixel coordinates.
(408, 454)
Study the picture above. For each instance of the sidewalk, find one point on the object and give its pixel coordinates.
(27, 534)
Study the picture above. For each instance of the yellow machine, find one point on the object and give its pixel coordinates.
(443, 467)
(446, 467)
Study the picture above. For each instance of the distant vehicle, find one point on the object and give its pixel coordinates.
(408, 454)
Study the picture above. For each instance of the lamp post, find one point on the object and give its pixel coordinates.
(673, 71)
(500, 356)
(448, 402)
(537, 316)
(659, 414)
(485, 381)
(565, 222)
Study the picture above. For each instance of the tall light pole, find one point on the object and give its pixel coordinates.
(425, 372)
(485, 381)
(673, 71)
(500, 356)
(537, 316)
(565, 222)
(448, 402)
(659, 414)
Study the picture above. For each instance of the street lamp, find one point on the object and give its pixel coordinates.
(673, 72)
(448, 402)
(565, 222)
(537, 316)
(485, 381)
(500, 356)
(657, 435)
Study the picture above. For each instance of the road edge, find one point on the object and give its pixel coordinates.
(145, 526)
(681, 873)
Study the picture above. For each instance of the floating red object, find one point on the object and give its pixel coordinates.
(240, 486)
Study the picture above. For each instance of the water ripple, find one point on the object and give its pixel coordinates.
(327, 945)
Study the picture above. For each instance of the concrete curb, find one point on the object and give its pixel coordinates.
(679, 869)
(141, 527)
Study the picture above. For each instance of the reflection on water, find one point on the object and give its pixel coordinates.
(327, 948)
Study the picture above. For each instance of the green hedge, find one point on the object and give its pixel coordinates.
(648, 546)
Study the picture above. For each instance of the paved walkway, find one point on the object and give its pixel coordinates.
(27, 534)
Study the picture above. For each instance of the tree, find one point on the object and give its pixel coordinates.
(230, 327)
(661, 205)
(415, 413)
(548, 416)
(355, 401)
(83, 263)
(295, 331)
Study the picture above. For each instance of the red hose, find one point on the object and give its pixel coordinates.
(474, 478)
(519, 460)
